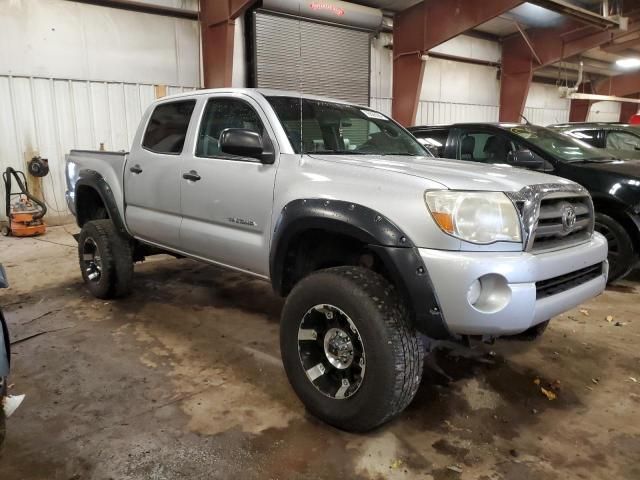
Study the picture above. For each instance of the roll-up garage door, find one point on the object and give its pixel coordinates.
(314, 58)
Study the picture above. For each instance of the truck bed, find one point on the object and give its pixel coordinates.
(96, 164)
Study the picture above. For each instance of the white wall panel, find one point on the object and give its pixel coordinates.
(239, 71)
(192, 5)
(49, 117)
(434, 113)
(62, 39)
(74, 75)
(604, 112)
(471, 47)
(459, 92)
(381, 66)
(545, 106)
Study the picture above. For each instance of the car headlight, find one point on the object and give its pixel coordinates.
(476, 217)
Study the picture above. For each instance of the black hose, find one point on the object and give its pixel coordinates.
(6, 176)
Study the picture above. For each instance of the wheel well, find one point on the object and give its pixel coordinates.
(615, 211)
(89, 205)
(317, 249)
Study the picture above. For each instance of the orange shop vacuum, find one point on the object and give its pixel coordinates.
(24, 211)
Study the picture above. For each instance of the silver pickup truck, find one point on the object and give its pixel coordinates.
(372, 241)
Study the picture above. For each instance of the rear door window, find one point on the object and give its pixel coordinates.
(167, 127)
(588, 136)
(485, 147)
(433, 140)
(619, 140)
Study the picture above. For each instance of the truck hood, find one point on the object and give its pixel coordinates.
(453, 174)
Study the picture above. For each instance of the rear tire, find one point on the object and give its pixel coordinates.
(106, 260)
(384, 353)
(621, 253)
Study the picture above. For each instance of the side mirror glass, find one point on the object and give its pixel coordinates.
(244, 143)
(525, 159)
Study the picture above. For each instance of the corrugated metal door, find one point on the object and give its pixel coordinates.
(314, 58)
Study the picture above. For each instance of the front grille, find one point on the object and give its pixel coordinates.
(555, 285)
(552, 233)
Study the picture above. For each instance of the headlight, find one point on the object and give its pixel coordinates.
(476, 217)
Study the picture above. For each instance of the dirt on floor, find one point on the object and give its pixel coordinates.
(182, 380)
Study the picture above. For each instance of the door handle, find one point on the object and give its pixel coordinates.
(192, 176)
(136, 169)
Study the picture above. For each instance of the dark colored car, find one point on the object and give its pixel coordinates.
(4, 358)
(613, 183)
(617, 139)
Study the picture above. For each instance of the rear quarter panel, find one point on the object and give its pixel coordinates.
(82, 164)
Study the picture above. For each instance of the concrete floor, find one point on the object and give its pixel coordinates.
(182, 380)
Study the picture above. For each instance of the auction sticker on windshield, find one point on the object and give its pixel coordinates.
(524, 132)
(374, 115)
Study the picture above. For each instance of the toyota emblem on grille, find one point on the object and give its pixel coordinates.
(568, 217)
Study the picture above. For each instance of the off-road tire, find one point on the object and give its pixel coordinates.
(116, 257)
(621, 254)
(394, 353)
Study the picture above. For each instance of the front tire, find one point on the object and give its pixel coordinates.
(348, 348)
(621, 254)
(106, 260)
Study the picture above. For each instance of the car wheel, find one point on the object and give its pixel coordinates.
(105, 260)
(621, 252)
(348, 348)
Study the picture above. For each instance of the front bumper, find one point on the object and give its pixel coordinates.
(514, 307)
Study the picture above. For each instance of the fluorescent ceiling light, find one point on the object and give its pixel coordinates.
(628, 62)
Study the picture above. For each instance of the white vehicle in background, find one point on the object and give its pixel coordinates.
(371, 240)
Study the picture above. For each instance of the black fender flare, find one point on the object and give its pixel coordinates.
(396, 250)
(93, 179)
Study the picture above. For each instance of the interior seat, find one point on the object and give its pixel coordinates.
(467, 147)
(496, 149)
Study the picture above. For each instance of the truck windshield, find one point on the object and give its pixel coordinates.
(562, 147)
(315, 126)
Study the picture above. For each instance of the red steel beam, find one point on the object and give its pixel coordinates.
(627, 110)
(619, 85)
(550, 45)
(217, 25)
(422, 27)
(579, 109)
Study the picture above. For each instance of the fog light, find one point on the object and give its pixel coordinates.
(489, 294)
(473, 294)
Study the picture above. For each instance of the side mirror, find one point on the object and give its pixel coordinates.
(245, 143)
(525, 159)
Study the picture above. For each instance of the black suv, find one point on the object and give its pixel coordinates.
(613, 183)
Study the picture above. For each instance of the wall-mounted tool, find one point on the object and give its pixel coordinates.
(24, 211)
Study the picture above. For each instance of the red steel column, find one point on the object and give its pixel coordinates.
(627, 110)
(579, 109)
(423, 27)
(619, 85)
(522, 54)
(408, 72)
(217, 25)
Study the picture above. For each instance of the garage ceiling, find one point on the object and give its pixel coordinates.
(597, 62)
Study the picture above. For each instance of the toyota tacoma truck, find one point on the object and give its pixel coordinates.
(374, 242)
